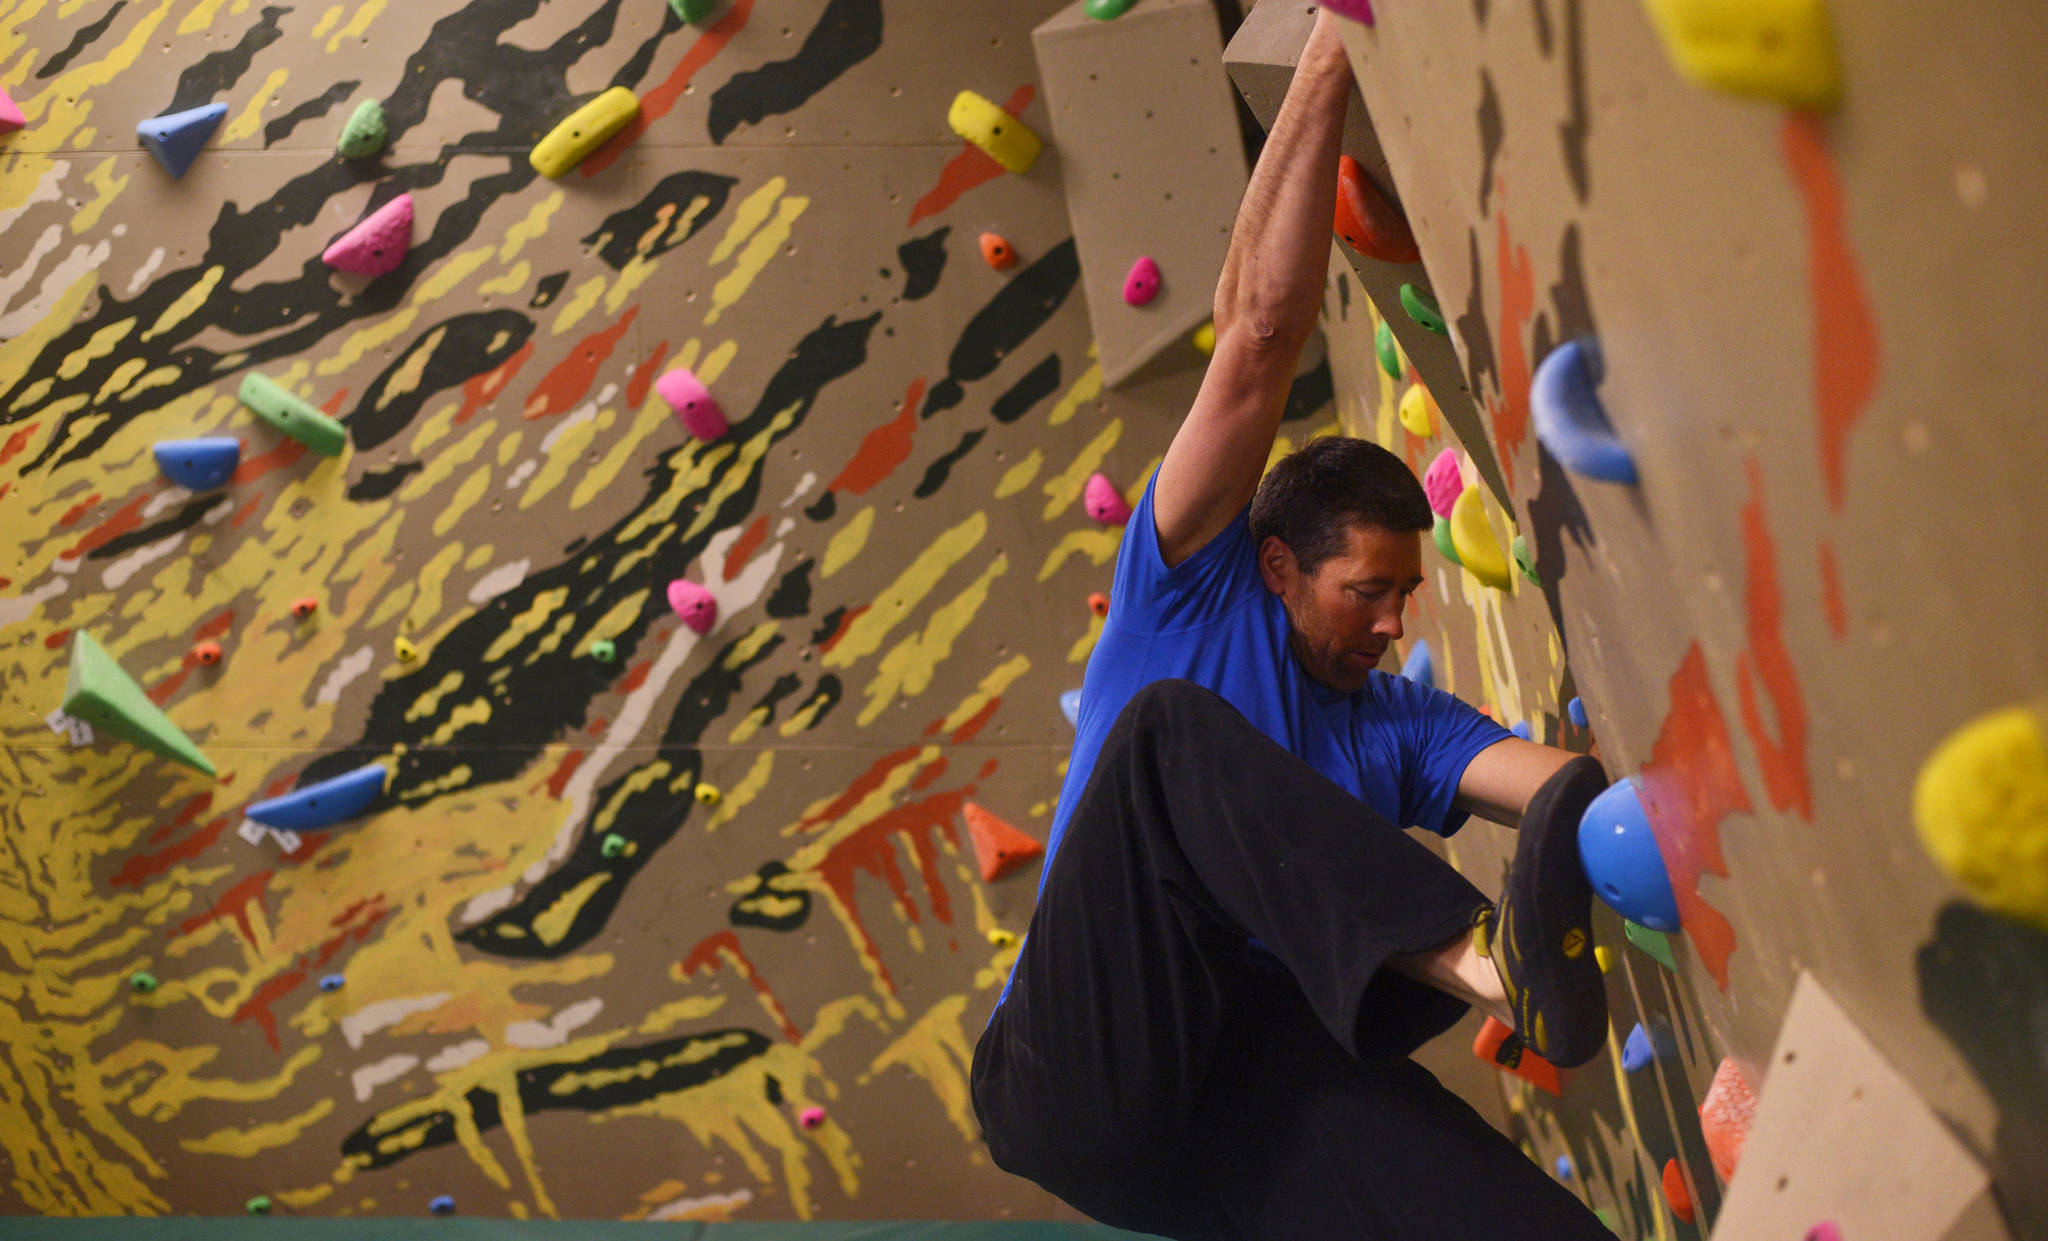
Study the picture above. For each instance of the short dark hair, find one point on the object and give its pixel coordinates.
(1311, 497)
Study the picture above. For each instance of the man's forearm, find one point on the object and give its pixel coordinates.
(1273, 274)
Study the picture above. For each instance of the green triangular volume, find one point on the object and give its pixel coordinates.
(107, 698)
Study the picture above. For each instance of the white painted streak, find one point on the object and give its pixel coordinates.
(121, 570)
(17, 608)
(376, 1017)
(389, 1069)
(352, 665)
(499, 580)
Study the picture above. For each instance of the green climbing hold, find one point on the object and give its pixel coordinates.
(1421, 307)
(690, 11)
(603, 651)
(365, 133)
(1442, 532)
(259, 1205)
(142, 980)
(1525, 560)
(1656, 943)
(1104, 10)
(101, 694)
(1607, 1216)
(614, 844)
(1390, 353)
(292, 415)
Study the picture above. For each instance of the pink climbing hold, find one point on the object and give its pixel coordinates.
(694, 604)
(11, 118)
(1142, 285)
(693, 403)
(1356, 10)
(377, 244)
(1824, 1231)
(1104, 502)
(811, 1117)
(1442, 482)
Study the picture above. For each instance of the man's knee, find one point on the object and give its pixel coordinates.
(1173, 699)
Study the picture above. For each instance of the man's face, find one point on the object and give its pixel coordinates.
(1344, 614)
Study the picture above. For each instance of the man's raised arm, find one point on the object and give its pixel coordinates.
(1266, 305)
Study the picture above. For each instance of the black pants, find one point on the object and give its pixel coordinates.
(1155, 1073)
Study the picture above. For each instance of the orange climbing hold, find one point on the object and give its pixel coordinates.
(1098, 603)
(1369, 223)
(996, 252)
(207, 653)
(1725, 1117)
(1498, 1046)
(305, 607)
(1676, 1193)
(999, 847)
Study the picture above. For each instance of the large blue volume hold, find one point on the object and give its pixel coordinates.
(323, 804)
(201, 464)
(1569, 419)
(177, 138)
(1622, 860)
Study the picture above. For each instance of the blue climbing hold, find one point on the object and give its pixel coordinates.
(1522, 730)
(177, 138)
(1622, 860)
(1070, 706)
(332, 982)
(1638, 1052)
(1419, 666)
(443, 1204)
(1564, 1167)
(323, 804)
(1568, 417)
(201, 464)
(1576, 709)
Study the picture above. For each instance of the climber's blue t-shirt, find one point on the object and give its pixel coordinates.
(1400, 746)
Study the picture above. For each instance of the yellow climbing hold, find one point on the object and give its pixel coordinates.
(405, 650)
(1781, 50)
(708, 795)
(1981, 804)
(1205, 338)
(1418, 411)
(588, 128)
(1603, 957)
(1008, 141)
(1478, 550)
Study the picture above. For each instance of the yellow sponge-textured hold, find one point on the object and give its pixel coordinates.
(1478, 550)
(1781, 50)
(1008, 141)
(588, 128)
(1981, 804)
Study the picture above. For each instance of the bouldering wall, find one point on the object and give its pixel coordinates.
(1761, 233)
(660, 902)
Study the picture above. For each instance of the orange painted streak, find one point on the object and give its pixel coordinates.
(845, 623)
(78, 510)
(867, 782)
(480, 389)
(161, 692)
(1845, 337)
(634, 677)
(724, 946)
(233, 903)
(563, 770)
(980, 720)
(744, 547)
(248, 507)
(57, 638)
(127, 517)
(257, 1007)
(596, 725)
(644, 376)
(16, 442)
(988, 768)
(572, 376)
(1831, 597)
(655, 103)
(194, 806)
(971, 167)
(1784, 760)
(872, 850)
(288, 450)
(930, 775)
(1688, 786)
(882, 449)
(1517, 304)
(145, 866)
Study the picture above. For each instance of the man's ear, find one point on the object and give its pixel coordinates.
(1277, 565)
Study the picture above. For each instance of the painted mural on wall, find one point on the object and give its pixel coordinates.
(631, 896)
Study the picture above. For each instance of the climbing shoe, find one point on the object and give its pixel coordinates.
(1540, 936)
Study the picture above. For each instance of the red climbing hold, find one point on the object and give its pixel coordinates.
(207, 653)
(1367, 222)
(305, 607)
(1499, 1046)
(1676, 1193)
(996, 252)
(1104, 502)
(999, 847)
(1725, 1117)
(1098, 603)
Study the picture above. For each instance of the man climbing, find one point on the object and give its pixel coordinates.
(1236, 947)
